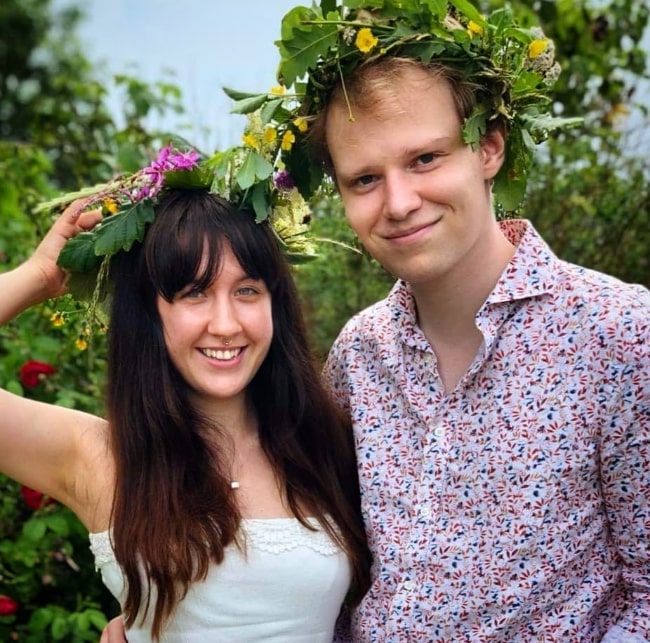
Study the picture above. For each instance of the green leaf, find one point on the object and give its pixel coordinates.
(437, 7)
(81, 285)
(97, 618)
(546, 123)
(474, 128)
(58, 524)
(260, 201)
(219, 163)
(509, 191)
(470, 11)
(197, 178)
(124, 228)
(255, 168)
(302, 45)
(269, 110)
(78, 254)
(237, 95)
(59, 628)
(69, 197)
(13, 386)
(34, 529)
(248, 105)
(40, 619)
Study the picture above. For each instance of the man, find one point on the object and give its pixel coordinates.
(500, 396)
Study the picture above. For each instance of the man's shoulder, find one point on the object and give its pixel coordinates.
(598, 288)
(608, 310)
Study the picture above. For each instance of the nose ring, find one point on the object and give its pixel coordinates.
(226, 341)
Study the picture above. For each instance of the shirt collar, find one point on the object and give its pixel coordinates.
(529, 273)
(531, 270)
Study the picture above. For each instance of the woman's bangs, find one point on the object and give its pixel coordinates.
(189, 254)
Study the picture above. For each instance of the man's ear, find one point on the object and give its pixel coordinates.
(493, 151)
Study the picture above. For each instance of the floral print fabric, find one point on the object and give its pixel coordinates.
(515, 508)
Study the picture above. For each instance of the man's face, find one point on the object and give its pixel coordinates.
(417, 197)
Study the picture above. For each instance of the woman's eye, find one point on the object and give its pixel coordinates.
(247, 290)
(191, 292)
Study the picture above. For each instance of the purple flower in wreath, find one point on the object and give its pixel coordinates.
(166, 161)
(284, 181)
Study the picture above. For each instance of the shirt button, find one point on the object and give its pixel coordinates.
(408, 585)
(439, 431)
(425, 511)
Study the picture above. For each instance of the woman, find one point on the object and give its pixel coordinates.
(221, 493)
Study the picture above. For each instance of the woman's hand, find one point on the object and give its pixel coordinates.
(43, 261)
(39, 278)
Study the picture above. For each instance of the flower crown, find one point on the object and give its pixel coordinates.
(320, 46)
(249, 178)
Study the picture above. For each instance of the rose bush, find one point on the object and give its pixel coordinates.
(32, 372)
(8, 605)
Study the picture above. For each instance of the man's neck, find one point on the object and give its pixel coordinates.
(447, 308)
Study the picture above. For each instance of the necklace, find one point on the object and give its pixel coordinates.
(241, 456)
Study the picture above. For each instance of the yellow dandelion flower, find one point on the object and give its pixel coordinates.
(536, 48)
(270, 134)
(111, 205)
(288, 139)
(474, 29)
(301, 123)
(279, 90)
(366, 40)
(81, 343)
(57, 320)
(251, 141)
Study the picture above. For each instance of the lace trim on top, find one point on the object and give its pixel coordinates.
(272, 536)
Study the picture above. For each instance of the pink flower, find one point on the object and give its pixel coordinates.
(166, 161)
(34, 499)
(32, 372)
(8, 605)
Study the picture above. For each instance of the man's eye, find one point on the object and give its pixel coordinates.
(366, 179)
(426, 159)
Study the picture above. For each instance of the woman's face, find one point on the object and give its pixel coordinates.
(219, 337)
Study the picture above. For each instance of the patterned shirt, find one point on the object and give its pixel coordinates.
(515, 508)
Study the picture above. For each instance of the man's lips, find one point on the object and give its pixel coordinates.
(411, 233)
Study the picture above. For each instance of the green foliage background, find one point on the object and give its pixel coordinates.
(589, 196)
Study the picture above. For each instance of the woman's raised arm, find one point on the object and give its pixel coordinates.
(39, 278)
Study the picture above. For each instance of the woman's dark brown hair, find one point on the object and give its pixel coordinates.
(174, 512)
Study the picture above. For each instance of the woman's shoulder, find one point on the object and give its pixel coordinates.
(93, 481)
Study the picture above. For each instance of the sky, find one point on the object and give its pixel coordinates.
(204, 44)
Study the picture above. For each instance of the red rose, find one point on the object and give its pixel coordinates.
(33, 499)
(8, 605)
(31, 372)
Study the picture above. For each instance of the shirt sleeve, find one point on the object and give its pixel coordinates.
(625, 475)
(335, 371)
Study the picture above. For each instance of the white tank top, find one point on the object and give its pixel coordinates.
(286, 587)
